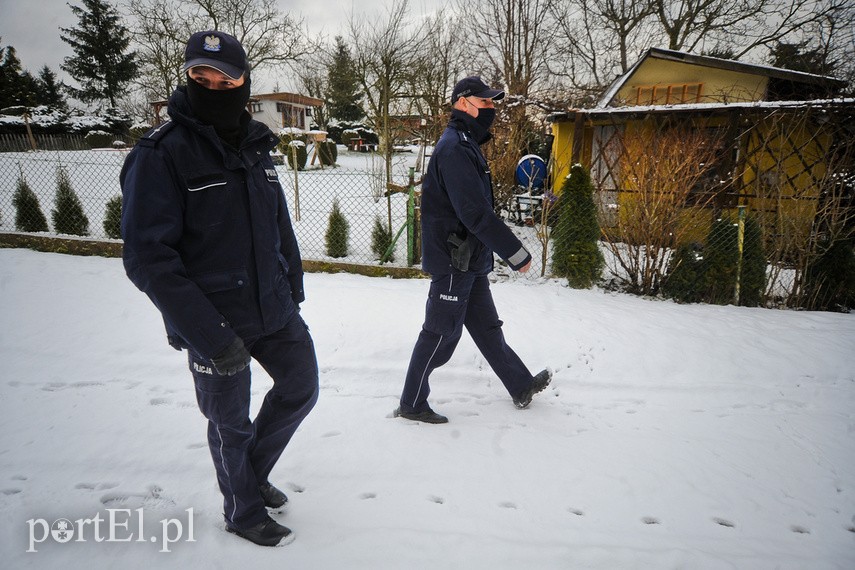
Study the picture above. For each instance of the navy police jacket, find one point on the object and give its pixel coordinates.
(457, 197)
(207, 235)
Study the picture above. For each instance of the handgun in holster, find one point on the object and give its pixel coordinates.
(461, 251)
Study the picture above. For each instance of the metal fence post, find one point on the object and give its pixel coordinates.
(740, 242)
(411, 214)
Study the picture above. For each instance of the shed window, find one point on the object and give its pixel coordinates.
(675, 94)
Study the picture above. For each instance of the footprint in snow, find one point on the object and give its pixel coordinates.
(798, 529)
(10, 491)
(96, 486)
(197, 446)
(85, 384)
(436, 499)
(650, 520)
(18, 478)
(507, 505)
(296, 488)
(576, 512)
(158, 401)
(366, 496)
(724, 522)
(331, 434)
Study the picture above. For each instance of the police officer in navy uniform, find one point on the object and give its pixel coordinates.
(207, 236)
(460, 233)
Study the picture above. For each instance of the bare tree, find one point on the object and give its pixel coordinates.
(805, 160)
(271, 38)
(652, 210)
(437, 66)
(385, 55)
(160, 29)
(514, 40)
(601, 38)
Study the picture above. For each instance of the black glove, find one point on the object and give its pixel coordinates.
(461, 250)
(232, 360)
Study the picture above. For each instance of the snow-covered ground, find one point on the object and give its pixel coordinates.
(673, 436)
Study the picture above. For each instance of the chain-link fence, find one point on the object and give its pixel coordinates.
(674, 216)
(746, 204)
(63, 192)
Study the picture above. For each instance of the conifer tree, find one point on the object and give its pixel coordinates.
(576, 254)
(49, 90)
(68, 216)
(28, 214)
(113, 218)
(13, 90)
(337, 232)
(343, 94)
(381, 239)
(101, 62)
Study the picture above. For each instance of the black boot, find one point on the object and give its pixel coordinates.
(266, 533)
(540, 382)
(273, 497)
(428, 416)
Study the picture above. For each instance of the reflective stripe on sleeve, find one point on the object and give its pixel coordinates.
(518, 257)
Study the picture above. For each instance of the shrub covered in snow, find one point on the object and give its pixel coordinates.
(28, 214)
(98, 139)
(68, 216)
(576, 253)
(327, 152)
(338, 232)
(113, 218)
(296, 154)
(381, 239)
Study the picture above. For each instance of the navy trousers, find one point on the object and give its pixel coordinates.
(244, 451)
(455, 301)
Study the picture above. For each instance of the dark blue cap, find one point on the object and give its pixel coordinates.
(473, 86)
(218, 50)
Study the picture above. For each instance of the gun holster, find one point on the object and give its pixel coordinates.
(461, 251)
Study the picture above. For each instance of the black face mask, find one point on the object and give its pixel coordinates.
(485, 118)
(220, 108)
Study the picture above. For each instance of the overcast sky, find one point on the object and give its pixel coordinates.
(32, 26)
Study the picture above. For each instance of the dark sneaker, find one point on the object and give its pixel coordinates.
(273, 497)
(428, 416)
(540, 382)
(266, 533)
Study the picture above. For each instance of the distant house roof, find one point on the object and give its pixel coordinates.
(293, 98)
(784, 83)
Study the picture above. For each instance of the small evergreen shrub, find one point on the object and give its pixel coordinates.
(575, 251)
(713, 279)
(830, 279)
(287, 135)
(68, 216)
(28, 214)
(685, 274)
(99, 139)
(381, 239)
(113, 218)
(327, 152)
(337, 232)
(720, 260)
(296, 155)
(753, 277)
